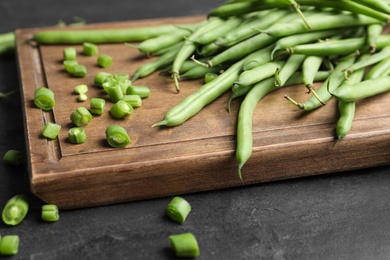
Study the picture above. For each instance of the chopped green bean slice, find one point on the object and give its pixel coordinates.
(9, 245)
(178, 209)
(117, 136)
(82, 97)
(121, 109)
(132, 100)
(97, 106)
(104, 61)
(142, 91)
(79, 71)
(44, 98)
(81, 89)
(15, 210)
(184, 245)
(70, 53)
(90, 49)
(77, 135)
(121, 76)
(114, 90)
(50, 213)
(51, 130)
(69, 65)
(81, 116)
(102, 77)
(13, 157)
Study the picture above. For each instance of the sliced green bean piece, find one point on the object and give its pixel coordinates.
(142, 91)
(104, 60)
(184, 245)
(133, 100)
(9, 245)
(69, 65)
(13, 157)
(90, 49)
(82, 97)
(97, 106)
(114, 90)
(70, 53)
(80, 89)
(44, 98)
(81, 116)
(50, 213)
(121, 109)
(79, 71)
(102, 77)
(51, 130)
(77, 135)
(7, 44)
(15, 210)
(178, 209)
(117, 136)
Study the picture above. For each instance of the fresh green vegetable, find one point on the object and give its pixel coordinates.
(117, 136)
(90, 49)
(44, 98)
(79, 71)
(51, 130)
(184, 245)
(97, 106)
(133, 100)
(121, 109)
(50, 213)
(210, 76)
(81, 116)
(13, 157)
(102, 77)
(114, 90)
(82, 97)
(81, 89)
(15, 210)
(142, 91)
(70, 53)
(104, 60)
(178, 209)
(77, 135)
(9, 245)
(69, 65)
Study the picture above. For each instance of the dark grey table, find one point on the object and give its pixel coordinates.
(335, 216)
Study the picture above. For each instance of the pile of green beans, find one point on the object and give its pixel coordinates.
(258, 46)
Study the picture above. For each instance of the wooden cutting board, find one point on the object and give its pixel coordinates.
(196, 156)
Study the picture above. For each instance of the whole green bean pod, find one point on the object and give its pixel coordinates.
(361, 90)
(244, 124)
(241, 8)
(291, 66)
(250, 77)
(102, 36)
(310, 66)
(224, 28)
(380, 69)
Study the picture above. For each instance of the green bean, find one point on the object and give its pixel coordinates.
(102, 36)
(375, 58)
(13, 157)
(97, 106)
(189, 47)
(117, 136)
(338, 47)
(379, 69)
(150, 67)
(336, 77)
(210, 76)
(291, 66)
(7, 94)
(102, 77)
(379, 5)
(104, 60)
(7, 43)
(79, 71)
(77, 135)
(200, 71)
(250, 29)
(178, 209)
(310, 67)
(80, 116)
(44, 98)
(210, 49)
(51, 130)
(227, 26)
(69, 65)
(69, 53)
(318, 23)
(184, 245)
(347, 109)
(361, 90)
(90, 49)
(121, 109)
(114, 90)
(50, 213)
(15, 210)
(80, 89)
(373, 32)
(142, 91)
(133, 100)
(9, 245)
(351, 6)
(263, 56)
(244, 124)
(298, 39)
(250, 77)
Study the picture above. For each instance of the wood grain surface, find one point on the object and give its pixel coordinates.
(196, 156)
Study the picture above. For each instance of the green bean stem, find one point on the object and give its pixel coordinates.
(310, 67)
